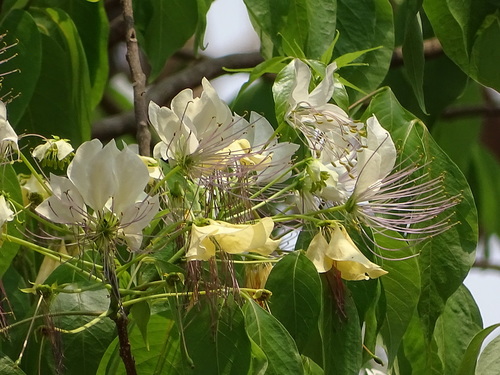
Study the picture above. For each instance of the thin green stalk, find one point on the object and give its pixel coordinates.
(173, 171)
(54, 255)
(179, 294)
(275, 181)
(35, 173)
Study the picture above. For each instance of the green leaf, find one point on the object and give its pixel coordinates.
(468, 365)
(274, 340)
(348, 58)
(311, 367)
(163, 27)
(286, 27)
(340, 324)
(485, 169)
(203, 8)
(141, 314)
(417, 356)
(413, 56)
(296, 299)
(444, 259)
(163, 356)
(91, 21)
(83, 350)
(20, 28)
(217, 341)
(401, 287)
(273, 65)
(259, 360)
(8, 367)
(468, 31)
(60, 104)
(9, 185)
(365, 24)
(460, 321)
(489, 361)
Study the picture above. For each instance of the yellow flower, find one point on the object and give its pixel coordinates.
(343, 254)
(231, 238)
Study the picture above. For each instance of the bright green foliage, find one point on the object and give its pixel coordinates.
(271, 309)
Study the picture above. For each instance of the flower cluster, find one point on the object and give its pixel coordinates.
(222, 185)
(354, 170)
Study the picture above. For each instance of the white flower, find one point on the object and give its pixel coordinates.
(343, 254)
(390, 198)
(306, 106)
(194, 129)
(8, 137)
(6, 214)
(231, 238)
(104, 194)
(265, 155)
(53, 151)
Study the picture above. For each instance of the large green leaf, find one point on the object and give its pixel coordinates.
(8, 367)
(417, 356)
(365, 24)
(340, 330)
(92, 24)
(485, 170)
(20, 28)
(469, 31)
(163, 27)
(83, 350)
(455, 328)
(217, 341)
(401, 287)
(61, 101)
(274, 340)
(296, 299)
(469, 360)
(299, 28)
(444, 259)
(10, 186)
(489, 361)
(161, 356)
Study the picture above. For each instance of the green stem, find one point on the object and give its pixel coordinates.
(179, 294)
(35, 173)
(54, 255)
(363, 99)
(173, 171)
(55, 314)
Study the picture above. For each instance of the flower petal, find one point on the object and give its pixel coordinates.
(351, 263)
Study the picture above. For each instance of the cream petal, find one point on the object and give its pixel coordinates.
(316, 252)
(6, 214)
(131, 176)
(349, 260)
(200, 245)
(324, 91)
(377, 160)
(300, 92)
(66, 205)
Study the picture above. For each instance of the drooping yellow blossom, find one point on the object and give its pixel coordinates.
(231, 238)
(342, 253)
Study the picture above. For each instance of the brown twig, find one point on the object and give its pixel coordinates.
(486, 265)
(163, 91)
(138, 81)
(432, 49)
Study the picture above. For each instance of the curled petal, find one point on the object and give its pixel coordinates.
(349, 260)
